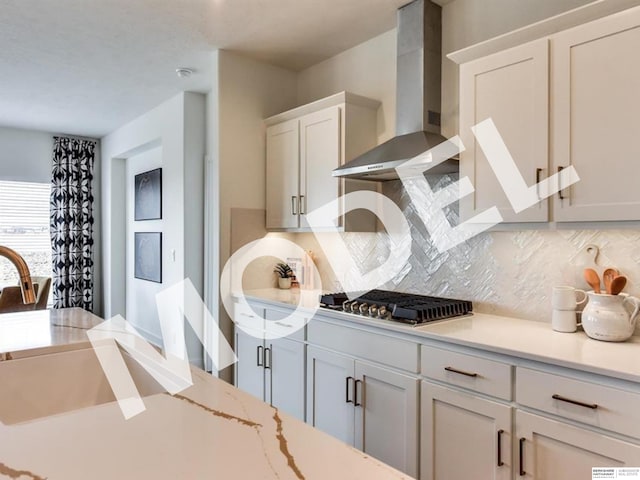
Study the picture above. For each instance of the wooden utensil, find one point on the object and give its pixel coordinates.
(607, 277)
(592, 278)
(617, 284)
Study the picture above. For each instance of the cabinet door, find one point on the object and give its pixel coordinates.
(282, 175)
(330, 393)
(249, 367)
(511, 88)
(387, 416)
(463, 436)
(320, 147)
(284, 366)
(553, 450)
(595, 118)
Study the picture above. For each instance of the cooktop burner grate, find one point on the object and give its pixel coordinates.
(401, 307)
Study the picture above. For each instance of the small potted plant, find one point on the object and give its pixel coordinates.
(284, 275)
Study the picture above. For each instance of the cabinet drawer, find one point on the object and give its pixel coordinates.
(590, 403)
(248, 317)
(281, 324)
(366, 345)
(468, 371)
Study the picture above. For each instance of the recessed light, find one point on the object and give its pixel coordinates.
(184, 72)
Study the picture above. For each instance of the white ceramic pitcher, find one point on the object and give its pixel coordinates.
(611, 318)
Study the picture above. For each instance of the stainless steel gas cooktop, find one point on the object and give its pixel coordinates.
(400, 307)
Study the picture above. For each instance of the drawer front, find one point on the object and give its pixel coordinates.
(467, 371)
(282, 324)
(590, 403)
(366, 345)
(248, 317)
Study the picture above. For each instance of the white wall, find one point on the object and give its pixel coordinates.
(140, 294)
(369, 69)
(178, 127)
(26, 156)
(244, 93)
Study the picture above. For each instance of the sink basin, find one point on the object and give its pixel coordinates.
(44, 385)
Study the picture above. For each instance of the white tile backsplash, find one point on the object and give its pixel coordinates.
(507, 273)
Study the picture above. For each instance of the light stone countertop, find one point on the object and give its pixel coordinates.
(58, 420)
(44, 331)
(504, 335)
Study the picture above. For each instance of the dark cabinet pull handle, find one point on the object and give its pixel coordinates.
(260, 356)
(461, 372)
(560, 398)
(560, 196)
(500, 462)
(538, 172)
(267, 356)
(346, 394)
(355, 393)
(522, 472)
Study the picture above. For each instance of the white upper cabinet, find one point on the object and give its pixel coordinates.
(512, 89)
(319, 156)
(304, 146)
(569, 99)
(282, 174)
(595, 123)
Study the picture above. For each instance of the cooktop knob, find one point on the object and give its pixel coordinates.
(354, 307)
(382, 312)
(373, 310)
(364, 309)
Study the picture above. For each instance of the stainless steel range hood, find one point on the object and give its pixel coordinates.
(417, 98)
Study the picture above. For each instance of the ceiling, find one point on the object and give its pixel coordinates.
(86, 67)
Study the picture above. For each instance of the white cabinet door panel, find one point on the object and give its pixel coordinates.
(553, 450)
(595, 124)
(319, 155)
(249, 369)
(328, 392)
(463, 436)
(282, 175)
(387, 416)
(511, 88)
(285, 376)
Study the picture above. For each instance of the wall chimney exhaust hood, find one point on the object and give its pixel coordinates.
(417, 98)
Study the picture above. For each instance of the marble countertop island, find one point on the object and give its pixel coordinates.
(59, 420)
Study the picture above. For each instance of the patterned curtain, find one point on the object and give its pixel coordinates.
(72, 223)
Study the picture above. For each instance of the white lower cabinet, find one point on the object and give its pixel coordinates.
(330, 385)
(463, 436)
(552, 450)
(273, 371)
(370, 407)
(284, 382)
(474, 415)
(250, 364)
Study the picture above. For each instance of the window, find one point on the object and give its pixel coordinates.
(24, 227)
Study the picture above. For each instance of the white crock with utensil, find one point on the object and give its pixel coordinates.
(611, 318)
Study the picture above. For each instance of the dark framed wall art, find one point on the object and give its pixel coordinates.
(148, 195)
(148, 256)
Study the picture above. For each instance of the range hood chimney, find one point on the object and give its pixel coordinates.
(417, 98)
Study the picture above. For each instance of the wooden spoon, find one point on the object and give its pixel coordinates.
(618, 284)
(592, 278)
(608, 276)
